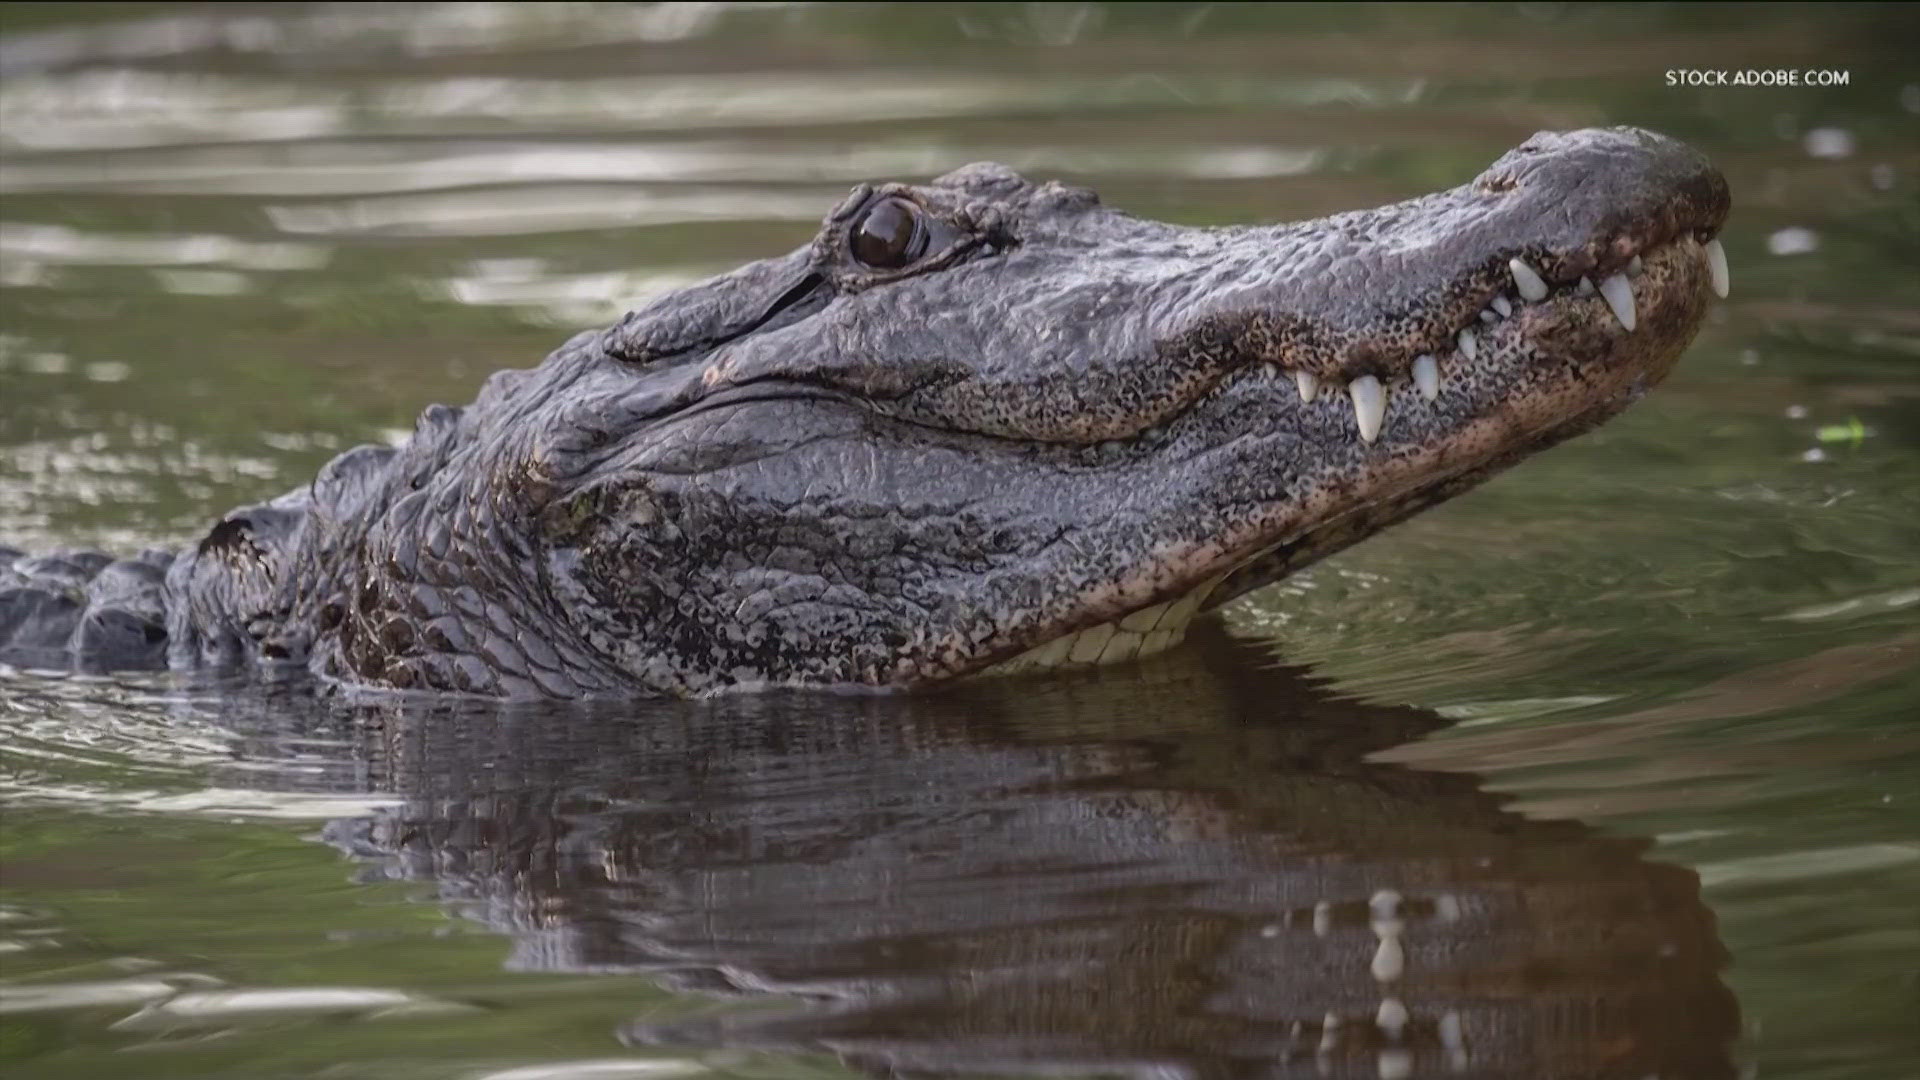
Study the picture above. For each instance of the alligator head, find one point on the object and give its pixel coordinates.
(977, 425)
(991, 424)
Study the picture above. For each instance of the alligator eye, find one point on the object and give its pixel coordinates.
(890, 235)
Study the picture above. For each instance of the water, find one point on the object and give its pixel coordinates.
(1629, 732)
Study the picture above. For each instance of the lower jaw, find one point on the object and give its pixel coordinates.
(1160, 627)
(1137, 635)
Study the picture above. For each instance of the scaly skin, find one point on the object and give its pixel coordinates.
(1050, 416)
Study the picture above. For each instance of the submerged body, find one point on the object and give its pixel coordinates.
(980, 424)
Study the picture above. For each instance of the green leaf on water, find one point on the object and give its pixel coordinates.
(1853, 431)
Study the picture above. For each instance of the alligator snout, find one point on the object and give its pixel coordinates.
(1592, 200)
(1422, 346)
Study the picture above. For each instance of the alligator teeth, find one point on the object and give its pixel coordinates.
(1309, 385)
(1528, 280)
(1487, 316)
(1717, 269)
(1585, 288)
(1635, 266)
(1426, 376)
(1369, 405)
(1501, 305)
(1469, 345)
(1619, 297)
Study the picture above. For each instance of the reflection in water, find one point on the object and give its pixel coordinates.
(1189, 869)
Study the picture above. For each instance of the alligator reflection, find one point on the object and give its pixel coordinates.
(1184, 869)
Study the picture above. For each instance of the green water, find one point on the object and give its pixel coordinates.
(1631, 730)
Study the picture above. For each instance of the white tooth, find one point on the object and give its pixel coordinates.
(1585, 288)
(1309, 385)
(1469, 345)
(1635, 266)
(1619, 296)
(1717, 269)
(1426, 376)
(1502, 305)
(1487, 316)
(1369, 405)
(1088, 643)
(1528, 280)
(1145, 619)
(1322, 918)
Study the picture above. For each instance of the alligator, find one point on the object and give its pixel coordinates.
(979, 425)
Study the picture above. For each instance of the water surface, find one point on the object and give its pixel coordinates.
(1608, 768)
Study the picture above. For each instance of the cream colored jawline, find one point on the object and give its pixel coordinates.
(1140, 633)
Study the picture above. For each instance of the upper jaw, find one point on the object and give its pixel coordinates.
(1404, 299)
(1369, 292)
(1511, 357)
